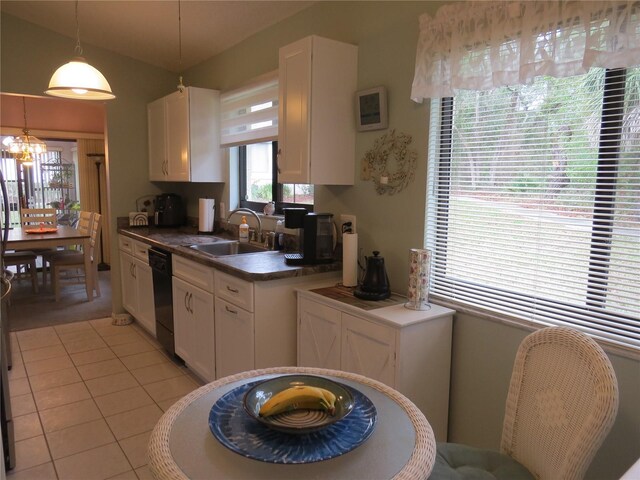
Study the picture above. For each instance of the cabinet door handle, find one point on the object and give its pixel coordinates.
(186, 304)
(233, 290)
(134, 271)
(191, 303)
(234, 312)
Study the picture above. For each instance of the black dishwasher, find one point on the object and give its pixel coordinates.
(160, 263)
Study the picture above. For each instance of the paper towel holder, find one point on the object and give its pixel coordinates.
(206, 215)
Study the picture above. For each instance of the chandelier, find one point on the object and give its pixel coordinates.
(25, 146)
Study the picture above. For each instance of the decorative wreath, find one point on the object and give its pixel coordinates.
(389, 151)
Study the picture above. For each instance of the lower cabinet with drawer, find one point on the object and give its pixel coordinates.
(224, 324)
(406, 349)
(256, 321)
(137, 282)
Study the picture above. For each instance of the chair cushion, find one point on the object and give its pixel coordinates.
(461, 462)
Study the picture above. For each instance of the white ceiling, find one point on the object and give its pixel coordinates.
(147, 30)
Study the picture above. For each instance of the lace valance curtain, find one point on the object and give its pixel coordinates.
(484, 45)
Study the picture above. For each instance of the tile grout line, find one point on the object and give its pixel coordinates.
(183, 372)
(103, 418)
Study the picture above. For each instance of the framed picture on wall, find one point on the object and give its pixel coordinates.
(371, 109)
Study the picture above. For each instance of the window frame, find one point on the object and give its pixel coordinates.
(608, 160)
(276, 186)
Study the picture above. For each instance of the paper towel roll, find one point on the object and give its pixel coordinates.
(419, 266)
(350, 259)
(207, 213)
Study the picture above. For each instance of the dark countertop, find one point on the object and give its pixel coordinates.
(267, 265)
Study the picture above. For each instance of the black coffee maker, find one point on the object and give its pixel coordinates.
(315, 236)
(170, 211)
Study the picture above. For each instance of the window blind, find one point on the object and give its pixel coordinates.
(250, 113)
(533, 205)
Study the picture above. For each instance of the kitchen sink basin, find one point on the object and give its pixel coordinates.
(227, 248)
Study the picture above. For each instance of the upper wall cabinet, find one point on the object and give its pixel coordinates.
(184, 137)
(316, 133)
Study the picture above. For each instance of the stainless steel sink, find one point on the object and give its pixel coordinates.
(227, 248)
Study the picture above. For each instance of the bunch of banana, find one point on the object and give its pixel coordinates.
(297, 398)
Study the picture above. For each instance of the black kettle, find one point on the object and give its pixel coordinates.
(375, 284)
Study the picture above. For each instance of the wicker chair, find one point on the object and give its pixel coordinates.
(562, 402)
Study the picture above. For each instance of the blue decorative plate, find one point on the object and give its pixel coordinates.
(236, 430)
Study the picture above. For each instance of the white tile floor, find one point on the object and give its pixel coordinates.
(85, 397)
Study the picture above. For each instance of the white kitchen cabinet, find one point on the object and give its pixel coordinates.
(194, 328)
(316, 120)
(319, 334)
(256, 321)
(234, 339)
(406, 349)
(184, 137)
(193, 317)
(137, 282)
(368, 348)
(129, 286)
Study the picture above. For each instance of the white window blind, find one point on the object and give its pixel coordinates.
(533, 201)
(250, 113)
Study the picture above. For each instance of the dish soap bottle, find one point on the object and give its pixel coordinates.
(244, 230)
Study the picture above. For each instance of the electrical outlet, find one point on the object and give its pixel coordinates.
(346, 219)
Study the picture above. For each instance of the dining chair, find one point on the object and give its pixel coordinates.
(28, 258)
(37, 216)
(561, 404)
(72, 263)
(23, 258)
(83, 225)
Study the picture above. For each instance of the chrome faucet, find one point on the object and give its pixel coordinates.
(251, 212)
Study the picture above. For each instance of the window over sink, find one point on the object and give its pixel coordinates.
(258, 177)
(250, 124)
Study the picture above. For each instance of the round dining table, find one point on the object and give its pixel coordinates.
(401, 446)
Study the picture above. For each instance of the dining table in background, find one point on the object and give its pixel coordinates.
(402, 445)
(21, 239)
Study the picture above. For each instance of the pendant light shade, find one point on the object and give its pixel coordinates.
(79, 80)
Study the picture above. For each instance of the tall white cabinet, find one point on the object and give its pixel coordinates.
(184, 137)
(316, 119)
(406, 349)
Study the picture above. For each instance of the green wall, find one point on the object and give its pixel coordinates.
(386, 33)
(30, 54)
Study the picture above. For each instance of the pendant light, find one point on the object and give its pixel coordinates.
(181, 86)
(25, 146)
(77, 79)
